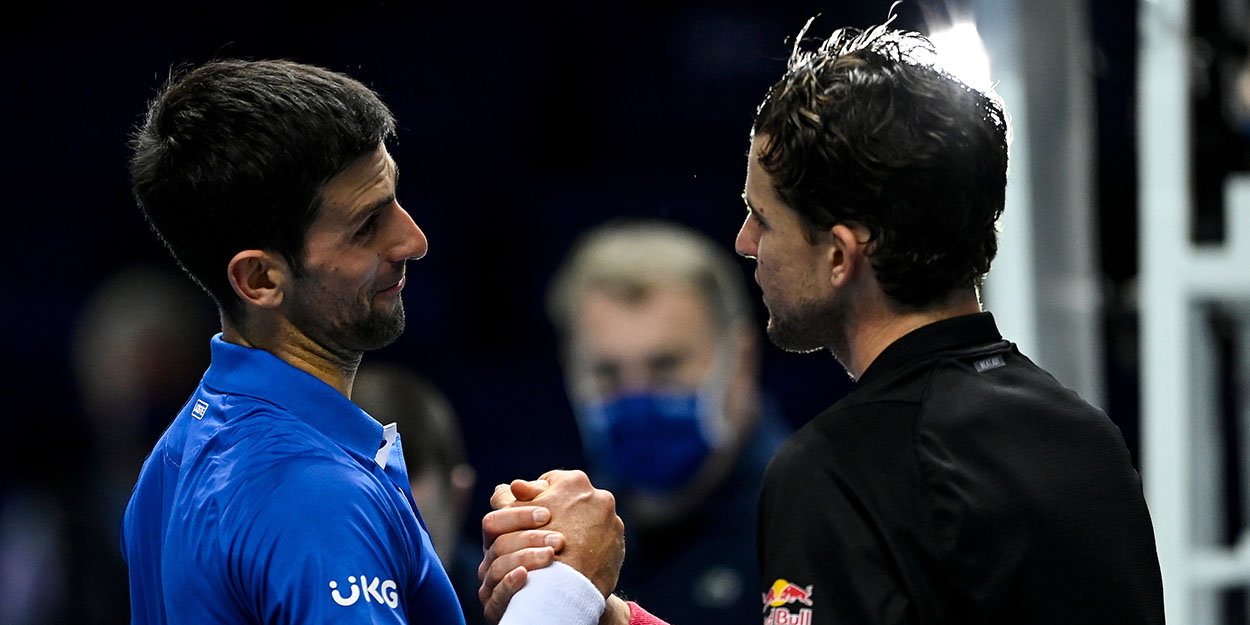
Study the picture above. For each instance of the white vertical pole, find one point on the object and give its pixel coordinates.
(1166, 316)
(1044, 289)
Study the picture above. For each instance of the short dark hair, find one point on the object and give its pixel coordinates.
(233, 156)
(630, 258)
(866, 130)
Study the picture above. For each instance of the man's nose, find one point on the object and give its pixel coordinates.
(747, 242)
(413, 243)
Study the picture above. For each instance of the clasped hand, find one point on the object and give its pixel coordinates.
(561, 517)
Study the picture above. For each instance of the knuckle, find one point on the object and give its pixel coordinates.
(608, 498)
(534, 557)
(494, 574)
(491, 523)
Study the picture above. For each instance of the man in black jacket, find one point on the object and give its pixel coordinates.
(957, 482)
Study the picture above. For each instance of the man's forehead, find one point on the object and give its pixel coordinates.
(748, 200)
(666, 313)
(758, 179)
(758, 191)
(361, 183)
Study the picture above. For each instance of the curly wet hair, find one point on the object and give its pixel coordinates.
(866, 129)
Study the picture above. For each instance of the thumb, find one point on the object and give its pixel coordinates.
(527, 490)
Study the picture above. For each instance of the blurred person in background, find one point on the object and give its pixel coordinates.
(438, 469)
(661, 364)
(34, 563)
(138, 351)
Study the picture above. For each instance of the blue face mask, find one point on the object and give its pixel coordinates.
(650, 441)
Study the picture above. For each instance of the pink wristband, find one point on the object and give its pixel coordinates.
(639, 616)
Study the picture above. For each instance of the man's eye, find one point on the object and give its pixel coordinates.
(368, 227)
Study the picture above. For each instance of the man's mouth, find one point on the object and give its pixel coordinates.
(395, 288)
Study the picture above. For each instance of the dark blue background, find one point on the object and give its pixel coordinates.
(519, 127)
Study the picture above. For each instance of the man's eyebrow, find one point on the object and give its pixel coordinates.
(372, 208)
(666, 358)
(746, 200)
(382, 203)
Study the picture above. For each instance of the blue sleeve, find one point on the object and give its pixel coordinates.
(283, 533)
(325, 543)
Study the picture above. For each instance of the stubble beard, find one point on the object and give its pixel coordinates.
(376, 330)
(812, 325)
(349, 335)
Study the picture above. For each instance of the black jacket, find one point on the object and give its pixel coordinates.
(957, 483)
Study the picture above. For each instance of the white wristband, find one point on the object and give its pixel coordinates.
(555, 594)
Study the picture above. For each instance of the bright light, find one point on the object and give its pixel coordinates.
(960, 52)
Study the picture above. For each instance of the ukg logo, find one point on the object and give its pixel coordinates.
(376, 591)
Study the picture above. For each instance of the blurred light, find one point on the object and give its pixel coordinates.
(961, 52)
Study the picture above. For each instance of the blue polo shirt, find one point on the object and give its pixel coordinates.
(274, 499)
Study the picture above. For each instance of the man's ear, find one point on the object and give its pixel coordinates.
(259, 278)
(848, 254)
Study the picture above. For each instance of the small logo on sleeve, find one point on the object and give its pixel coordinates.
(376, 591)
(200, 408)
(777, 604)
(993, 362)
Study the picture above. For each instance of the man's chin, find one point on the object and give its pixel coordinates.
(786, 338)
(379, 330)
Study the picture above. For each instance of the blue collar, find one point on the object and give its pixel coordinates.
(246, 371)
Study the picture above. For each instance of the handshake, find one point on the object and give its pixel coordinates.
(560, 517)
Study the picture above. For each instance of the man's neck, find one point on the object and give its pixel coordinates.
(298, 350)
(876, 329)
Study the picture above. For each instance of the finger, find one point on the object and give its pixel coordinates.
(517, 541)
(495, 603)
(529, 559)
(502, 497)
(523, 490)
(499, 522)
(564, 475)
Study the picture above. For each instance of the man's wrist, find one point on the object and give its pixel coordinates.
(555, 594)
(615, 612)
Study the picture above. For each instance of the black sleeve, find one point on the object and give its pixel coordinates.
(822, 560)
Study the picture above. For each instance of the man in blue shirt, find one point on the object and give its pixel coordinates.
(272, 498)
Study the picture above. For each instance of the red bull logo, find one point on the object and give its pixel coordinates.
(782, 616)
(783, 592)
(778, 599)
